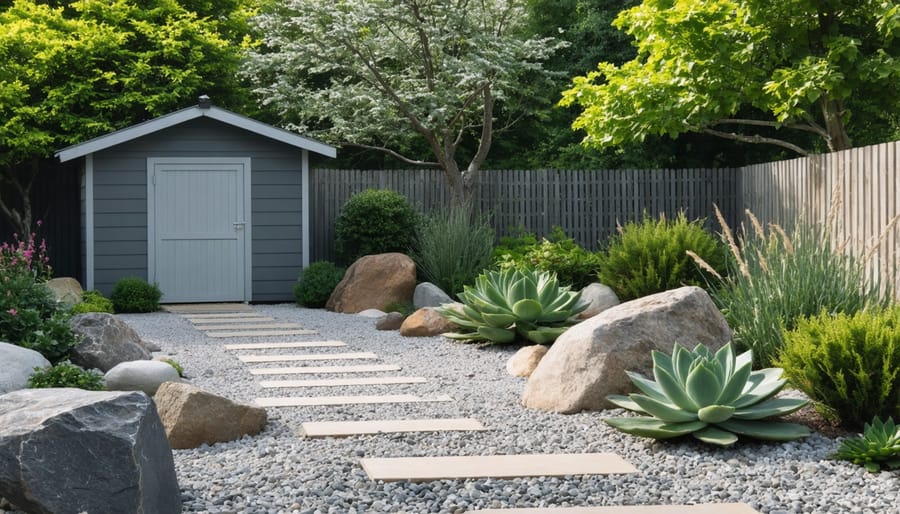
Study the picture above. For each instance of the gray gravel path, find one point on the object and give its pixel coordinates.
(279, 471)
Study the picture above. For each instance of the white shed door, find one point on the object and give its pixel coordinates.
(199, 224)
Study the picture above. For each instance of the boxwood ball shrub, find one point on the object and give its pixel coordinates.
(66, 374)
(651, 256)
(133, 294)
(372, 222)
(849, 364)
(316, 283)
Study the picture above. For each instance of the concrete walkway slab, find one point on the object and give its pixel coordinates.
(261, 333)
(222, 315)
(420, 469)
(203, 322)
(206, 308)
(385, 426)
(338, 382)
(307, 357)
(251, 326)
(303, 370)
(705, 508)
(294, 344)
(306, 401)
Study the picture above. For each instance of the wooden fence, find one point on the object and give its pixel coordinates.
(586, 204)
(859, 188)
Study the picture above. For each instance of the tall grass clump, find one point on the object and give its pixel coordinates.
(452, 247)
(652, 256)
(781, 278)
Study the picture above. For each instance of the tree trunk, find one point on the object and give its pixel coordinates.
(834, 124)
(17, 210)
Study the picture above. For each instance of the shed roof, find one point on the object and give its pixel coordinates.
(202, 110)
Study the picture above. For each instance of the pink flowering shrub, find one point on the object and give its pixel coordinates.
(26, 257)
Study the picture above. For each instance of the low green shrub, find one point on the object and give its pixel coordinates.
(452, 247)
(372, 222)
(174, 364)
(878, 447)
(514, 246)
(133, 294)
(714, 397)
(651, 256)
(509, 304)
(316, 283)
(404, 308)
(66, 374)
(780, 278)
(849, 364)
(573, 265)
(31, 318)
(93, 301)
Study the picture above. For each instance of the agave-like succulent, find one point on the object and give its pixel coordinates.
(511, 302)
(713, 397)
(878, 446)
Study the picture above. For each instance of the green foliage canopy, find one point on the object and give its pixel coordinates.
(391, 75)
(826, 69)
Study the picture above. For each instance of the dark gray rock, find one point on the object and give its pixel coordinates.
(390, 321)
(429, 295)
(106, 341)
(69, 451)
(17, 366)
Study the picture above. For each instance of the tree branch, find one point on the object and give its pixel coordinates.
(755, 139)
(392, 153)
(811, 127)
(484, 144)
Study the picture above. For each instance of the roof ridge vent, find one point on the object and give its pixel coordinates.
(204, 102)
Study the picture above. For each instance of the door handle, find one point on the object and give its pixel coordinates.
(238, 225)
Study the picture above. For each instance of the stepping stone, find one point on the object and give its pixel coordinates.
(348, 428)
(420, 469)
(307, 357)
(202, 322)
(258, 333)
(297, 344)
(250, 326)
(305, 401)
(324, 369)
(705, 508)
(222, 316)
(337, 382)
(207, 308)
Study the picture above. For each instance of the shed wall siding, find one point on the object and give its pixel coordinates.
(120, 203)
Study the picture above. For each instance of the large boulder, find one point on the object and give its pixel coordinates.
(374, 282)
(17, 366)
(425, 322)
(105, 341)
(429, 295)
(65, 290)
(192, 416)
(141, 375)
(524, 361)
(71, 450)
(588, 362)
(599, 298)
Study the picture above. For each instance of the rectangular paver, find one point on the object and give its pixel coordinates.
(260, 333)
(303, 370)
(229, 321)
(337, 382)
(420, 469)
(207, 308)
(305, 401)
(705, 508)
(251, 326)
(384, 426)
(222, 315)
(293, 344)
(307, 357)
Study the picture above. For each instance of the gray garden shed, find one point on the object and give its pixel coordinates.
(210, 205)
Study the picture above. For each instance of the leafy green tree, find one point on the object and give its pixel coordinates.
(733, 68)
(80, 69)
(390, 75)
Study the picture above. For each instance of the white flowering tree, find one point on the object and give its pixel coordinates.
(391, 74)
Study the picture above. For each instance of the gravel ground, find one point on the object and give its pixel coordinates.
(280, 471)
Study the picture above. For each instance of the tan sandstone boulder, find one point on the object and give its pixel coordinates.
(65, 290)
(599, 297)
(374, 282)
(524, 361)
(192, 416)
(588, 362)
(425, 322)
